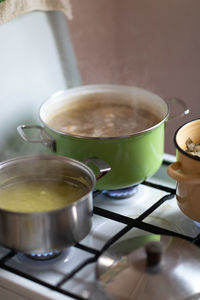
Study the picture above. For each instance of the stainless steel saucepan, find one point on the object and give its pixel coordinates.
(41, 232)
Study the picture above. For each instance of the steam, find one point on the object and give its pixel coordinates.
(32, 68)
(11, 144)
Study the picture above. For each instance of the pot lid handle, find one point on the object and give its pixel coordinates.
(154, 251)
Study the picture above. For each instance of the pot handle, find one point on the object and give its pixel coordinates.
(45, 138)
(174, 171)
(103, 167)
(182, 104)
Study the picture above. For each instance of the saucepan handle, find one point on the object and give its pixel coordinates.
(45, 139)
(174, 171)
(185, 110)
(102, 166)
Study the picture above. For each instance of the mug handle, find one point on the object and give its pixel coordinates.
(174, 171)
(103, 167)
(45, 138)
(182, 104)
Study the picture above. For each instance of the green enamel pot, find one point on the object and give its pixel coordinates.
(132, 158)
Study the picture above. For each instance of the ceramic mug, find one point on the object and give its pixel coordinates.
(186, 170)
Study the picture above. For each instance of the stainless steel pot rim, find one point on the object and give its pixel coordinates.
(179, 148)
(110, 87)
(48, 157)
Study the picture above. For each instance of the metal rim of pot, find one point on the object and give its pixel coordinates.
(104, 168)
(110, 88)
(48, 141)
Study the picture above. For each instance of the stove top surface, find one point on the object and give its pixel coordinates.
(71, 275)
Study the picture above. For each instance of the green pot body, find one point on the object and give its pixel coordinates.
(132, 159)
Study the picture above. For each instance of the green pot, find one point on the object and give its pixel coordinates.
(132, 158)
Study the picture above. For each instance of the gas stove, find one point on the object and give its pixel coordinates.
(152, 208)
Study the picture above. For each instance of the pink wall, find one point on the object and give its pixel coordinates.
(153, 44)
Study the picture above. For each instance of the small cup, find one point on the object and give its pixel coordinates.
(186, 170)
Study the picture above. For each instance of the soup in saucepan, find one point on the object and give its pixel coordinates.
(41, 195)
(94, 117)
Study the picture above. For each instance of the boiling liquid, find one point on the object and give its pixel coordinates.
(93, 118)
(38, 196)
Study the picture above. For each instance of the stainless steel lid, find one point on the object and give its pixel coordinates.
(158, 267)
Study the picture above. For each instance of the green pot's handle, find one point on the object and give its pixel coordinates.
(182, 104)
(48, 141)
(45, 139)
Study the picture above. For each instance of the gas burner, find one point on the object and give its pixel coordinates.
(122, 193)
(43, 256)
(43, 260)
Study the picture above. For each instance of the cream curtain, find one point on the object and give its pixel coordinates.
(10, 9)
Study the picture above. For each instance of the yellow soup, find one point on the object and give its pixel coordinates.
(38, 196)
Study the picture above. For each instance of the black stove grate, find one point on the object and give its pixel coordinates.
(129, 224)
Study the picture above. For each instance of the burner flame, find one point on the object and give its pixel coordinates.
(43, 256)
(121, 193)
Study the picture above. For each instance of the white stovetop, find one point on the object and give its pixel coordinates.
(167, 216)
